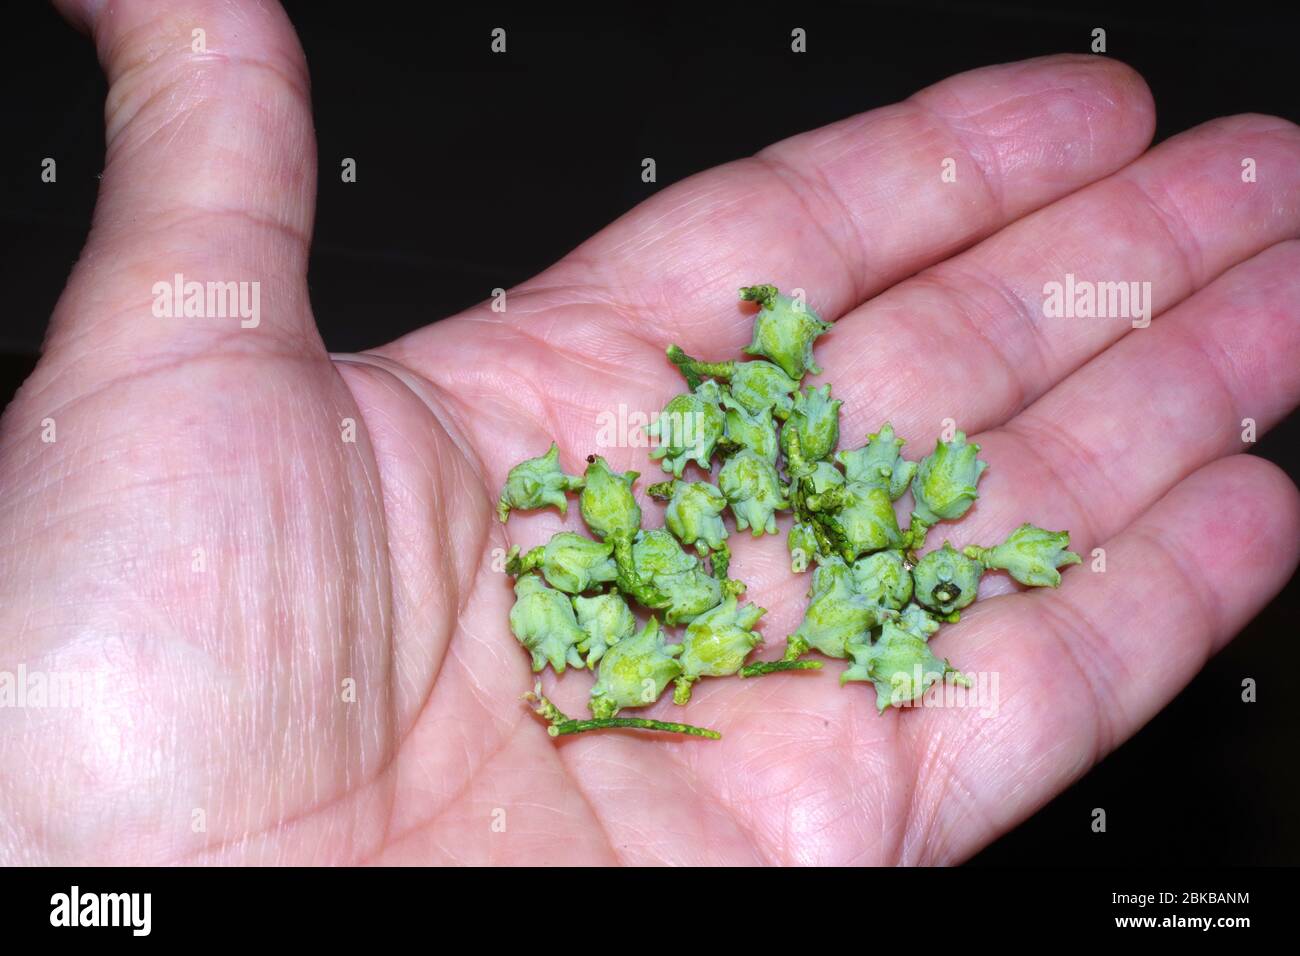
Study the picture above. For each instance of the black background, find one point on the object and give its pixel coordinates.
(476, 171)
(232, 907)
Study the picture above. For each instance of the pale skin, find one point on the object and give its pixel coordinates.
(303, 640)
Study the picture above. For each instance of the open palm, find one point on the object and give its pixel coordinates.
(302, 639)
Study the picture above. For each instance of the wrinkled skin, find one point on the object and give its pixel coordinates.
(373, 561)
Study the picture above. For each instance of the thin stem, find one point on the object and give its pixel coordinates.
(759, 668)
(797, 469)
(795, 464)
(517, 564)
(832, 499)
(762, 294)
(662, 490)
(563, 725)
(635, 723)
(695, 370)
(720, 560)
(682, 690)
(629, 580)
(915, 535)
(795, 647)
(543, 706)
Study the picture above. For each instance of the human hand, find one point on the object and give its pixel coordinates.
(303, 640)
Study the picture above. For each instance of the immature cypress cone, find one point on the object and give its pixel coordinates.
(784, 330)
(1031, 554)
(635, 671)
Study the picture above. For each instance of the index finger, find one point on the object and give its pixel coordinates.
(851, 208)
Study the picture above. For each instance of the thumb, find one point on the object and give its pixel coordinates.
(210, 173)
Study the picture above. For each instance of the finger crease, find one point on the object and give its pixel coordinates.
(1089, 655)
(1180, 234)
(1031, 436)
(800, 186)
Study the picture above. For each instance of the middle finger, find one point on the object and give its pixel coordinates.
(968, 339)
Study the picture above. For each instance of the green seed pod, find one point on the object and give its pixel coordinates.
(837, 615)
(758, 385)
(883, 579)
(1031, 554)
(900, 665)
(657, 554)
(946, 580)
(688, 429)
(689, 594)
(606, 620)
(536, 483)
(946, 481)
(802, 542)
(859, 517)
(784, 330)
(879, 463)
(753, 489)
(543, 621)
(676, 584)
(816, 419)
(757, 432)
(717, 643)
(607, 503)
(694, 370)
(634, 672)
(571, 562)
(694, 515)
(918, 622)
